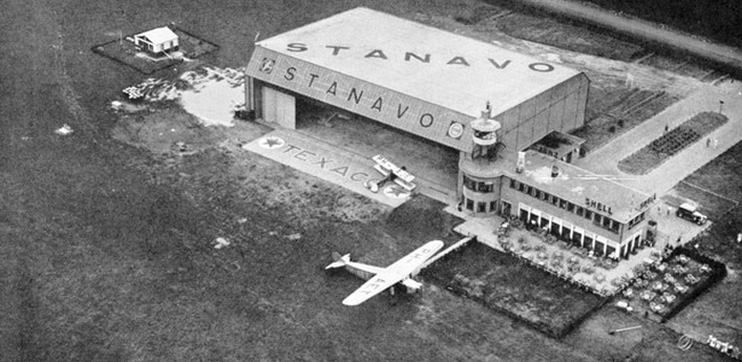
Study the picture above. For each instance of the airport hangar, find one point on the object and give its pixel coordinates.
(514, 157)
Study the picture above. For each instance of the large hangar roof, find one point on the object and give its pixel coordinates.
(430, 64)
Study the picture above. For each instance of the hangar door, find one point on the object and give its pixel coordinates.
(278, 107)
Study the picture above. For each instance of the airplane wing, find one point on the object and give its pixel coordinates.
(394, 273)
(365, 267)
(374, 286)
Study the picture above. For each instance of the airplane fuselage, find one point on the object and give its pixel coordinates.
(380, 279)
(410, 285)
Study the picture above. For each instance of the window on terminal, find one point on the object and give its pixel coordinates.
(588, 242)
(469, 183)
(570, 207)
(486, 187)
(588, 214)
(606, 222)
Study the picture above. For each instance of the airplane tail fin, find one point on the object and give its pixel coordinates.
(338, 260)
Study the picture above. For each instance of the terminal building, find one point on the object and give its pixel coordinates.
(506, 114)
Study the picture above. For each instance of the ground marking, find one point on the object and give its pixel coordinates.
(271, 142)
(736, 203)
(396, 192)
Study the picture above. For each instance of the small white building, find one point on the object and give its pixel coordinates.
(158, 40)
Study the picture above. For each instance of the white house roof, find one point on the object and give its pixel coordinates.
(159, 35)
(436, 66)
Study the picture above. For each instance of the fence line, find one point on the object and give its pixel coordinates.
(735, 202)
(451, 248)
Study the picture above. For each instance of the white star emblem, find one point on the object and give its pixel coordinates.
(396, 192)
(272, 142)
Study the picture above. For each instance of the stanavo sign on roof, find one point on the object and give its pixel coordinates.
(432, 65)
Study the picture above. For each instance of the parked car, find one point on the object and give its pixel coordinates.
(688, 211)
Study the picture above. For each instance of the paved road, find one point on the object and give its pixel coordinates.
(643, 30)
(605, 159)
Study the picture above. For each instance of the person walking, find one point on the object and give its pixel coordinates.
(708, 142)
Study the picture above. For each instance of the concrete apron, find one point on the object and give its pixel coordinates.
(326, 162)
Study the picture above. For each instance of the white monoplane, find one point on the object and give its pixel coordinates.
(402, 271)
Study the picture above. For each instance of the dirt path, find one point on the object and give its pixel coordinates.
(643, 30)
(603, 72)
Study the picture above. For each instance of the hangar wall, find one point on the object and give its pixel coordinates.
(398, 110)
(278, 107)
(560, 108)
